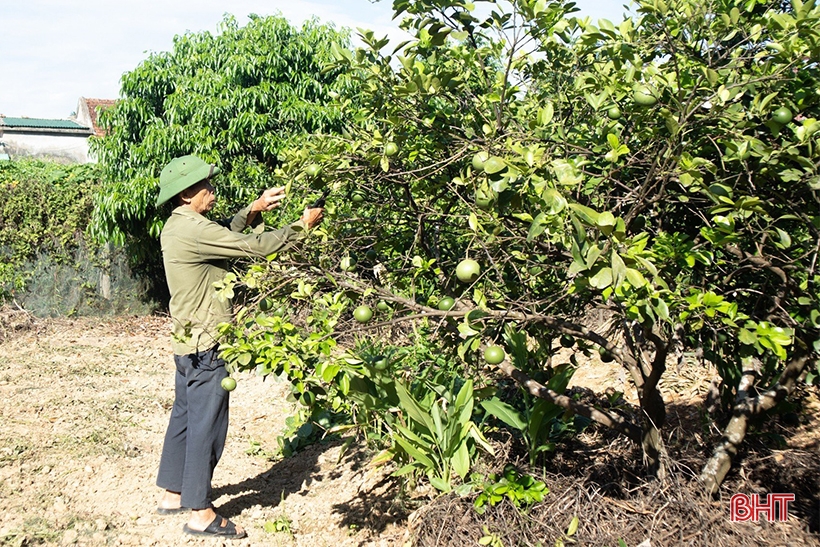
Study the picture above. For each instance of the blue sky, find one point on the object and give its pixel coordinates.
(52, 52)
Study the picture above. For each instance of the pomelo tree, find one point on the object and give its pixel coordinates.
(646, 168)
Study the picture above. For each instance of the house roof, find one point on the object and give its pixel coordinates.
(93, 105)
(39, 123)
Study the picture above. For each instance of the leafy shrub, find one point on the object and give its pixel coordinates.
(46, 261)
(44, 208)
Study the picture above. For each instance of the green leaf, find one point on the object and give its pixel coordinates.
(593, 254)
(330, 371)
(473, 223)
(505, 413)
(566, 173)
(618, 269)
(635, 278)
(461, 460)
(439, 428)
(415, 453)
(785, 239)
(746, 337)
(405, 470)
(662, 309)
(605, 219)
(613, 141)
(440, 484)
(602, 279)
(585, 214)
(545, 114)
(538, 226)
(554, 200)
(479, 438)
(413, 409)
(573, 526)
(465, 395)
(494, 165)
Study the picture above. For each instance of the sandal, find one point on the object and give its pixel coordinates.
(216, 529)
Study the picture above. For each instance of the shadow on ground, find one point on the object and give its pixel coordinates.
(284, 478)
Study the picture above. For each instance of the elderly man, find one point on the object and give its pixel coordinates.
(195, 251)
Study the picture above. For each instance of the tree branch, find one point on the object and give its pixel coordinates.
(612, 421)
(746, 408)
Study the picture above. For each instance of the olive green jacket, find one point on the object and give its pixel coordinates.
(195, 252)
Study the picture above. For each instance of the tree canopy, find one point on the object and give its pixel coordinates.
(662, 170)
(236, 98)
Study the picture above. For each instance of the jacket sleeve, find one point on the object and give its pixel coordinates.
(240, 220)
(217, 242)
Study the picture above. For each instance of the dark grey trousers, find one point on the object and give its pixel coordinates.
(197, 429)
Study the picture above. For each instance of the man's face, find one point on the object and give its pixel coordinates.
(201, 195)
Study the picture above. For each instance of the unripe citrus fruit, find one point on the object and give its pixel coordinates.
(483, 198)
(265, 304)
(467, 270)
(606, 356)
(390, 149)
(446, 303)
(383, 306)
(228, 383)
(614, 113)
(782, 115)
(494, 355)
(567, 341)
(479, 159)
(494, 164)
(357, 196)
(313, 169)
(380, 363)
(644, 96)
(348, 264)
(362, 314)
(307, 398)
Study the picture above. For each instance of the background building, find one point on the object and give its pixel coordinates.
(64, 141)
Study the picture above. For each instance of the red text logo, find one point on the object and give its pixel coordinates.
(775, 508)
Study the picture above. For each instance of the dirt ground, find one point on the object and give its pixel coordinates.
(83, 408)
(84, 405)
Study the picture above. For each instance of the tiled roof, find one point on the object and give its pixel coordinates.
(92, 111)
(39, 123)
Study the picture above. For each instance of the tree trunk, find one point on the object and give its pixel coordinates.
(746, 407)
(654, 410)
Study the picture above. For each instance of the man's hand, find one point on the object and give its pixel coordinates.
(312, 217)
(269, 200)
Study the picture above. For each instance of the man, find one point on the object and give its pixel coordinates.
(195, 252)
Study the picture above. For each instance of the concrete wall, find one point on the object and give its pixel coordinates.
(54, 145)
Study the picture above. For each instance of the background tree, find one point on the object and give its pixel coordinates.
(663, 170)
(235, 98)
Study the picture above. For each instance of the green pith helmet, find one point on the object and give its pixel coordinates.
(182, 173)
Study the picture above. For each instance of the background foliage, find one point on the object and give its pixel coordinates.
(48, 264)
(235, 98)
